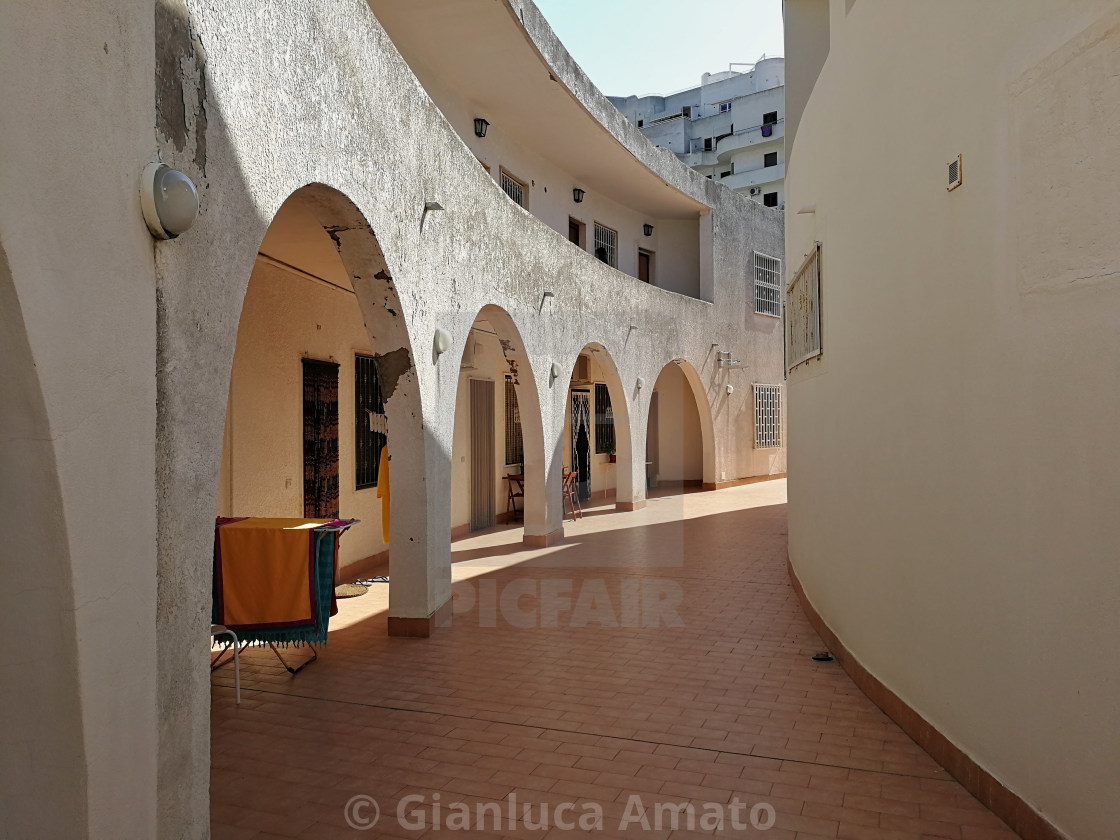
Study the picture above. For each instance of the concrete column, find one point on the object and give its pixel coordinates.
(420, 514)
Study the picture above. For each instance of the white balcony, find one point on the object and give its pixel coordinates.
(747, 138)
(755, 177)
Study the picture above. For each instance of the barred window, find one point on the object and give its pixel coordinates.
(369, 422)
(604, 421)
(515, 443)
(767, 285)
(767, 416)
(607, 239)
(513, 187)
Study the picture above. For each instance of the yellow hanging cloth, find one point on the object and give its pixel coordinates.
(383, 492)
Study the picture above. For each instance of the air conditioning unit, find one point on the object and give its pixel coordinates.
(755, 190)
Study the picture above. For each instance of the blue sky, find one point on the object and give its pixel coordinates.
(661, 46)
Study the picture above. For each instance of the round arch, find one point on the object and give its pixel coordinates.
(604, 366)
(204, 288)
(495, 352)
(688, 383)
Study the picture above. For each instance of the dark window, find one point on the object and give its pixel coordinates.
(641, 123)
(320, 439)
(724, 107)
(771, 159)
(369, 422)
(575, 232)
(707, 144)
(515, 442)
(645, 262)
(604, 421)
(726, 174)
(770, 199)
(770, 117)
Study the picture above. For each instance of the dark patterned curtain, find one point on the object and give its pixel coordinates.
(320, 439)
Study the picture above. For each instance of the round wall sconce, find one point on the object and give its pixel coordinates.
(577, 195)
(640, 383)
(442, 342)
(647, 230)
(554, 373)
(480, 126)
(168, 199)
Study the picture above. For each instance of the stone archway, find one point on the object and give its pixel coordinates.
(495, 352)
(680, 431)
(612, 473)
(199, 333)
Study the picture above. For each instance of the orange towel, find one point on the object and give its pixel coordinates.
(383, 492)
(266, 571)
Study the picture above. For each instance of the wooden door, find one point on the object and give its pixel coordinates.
(482, 454)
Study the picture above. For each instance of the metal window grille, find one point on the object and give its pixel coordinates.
(767, 416)
(803, 312)
(767, 285)
(513, 188)
(607, 239)
(604, 421)
(369, 422)
(515, 442)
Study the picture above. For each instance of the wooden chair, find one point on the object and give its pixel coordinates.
(516, 490)
(571, 495)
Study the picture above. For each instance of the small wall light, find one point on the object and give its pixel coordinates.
(554, 373)
(442, 342)
(577, 195)
(647, 230)
(640, 383)
(480, 126)
(168, 200)
(730, 389)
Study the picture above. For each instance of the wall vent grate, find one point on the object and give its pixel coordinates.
(955, 173)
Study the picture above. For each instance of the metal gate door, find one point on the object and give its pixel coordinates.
(482, 454)
(581, 442)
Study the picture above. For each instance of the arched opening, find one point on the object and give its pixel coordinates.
(497, 457)
(322, 395)
(680, 439)
(595, 444)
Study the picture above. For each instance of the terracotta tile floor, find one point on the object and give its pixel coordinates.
(550, 705)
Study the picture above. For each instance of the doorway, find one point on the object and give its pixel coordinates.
(581, 442)
(482, 454)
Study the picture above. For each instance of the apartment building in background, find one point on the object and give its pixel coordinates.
(731, 128)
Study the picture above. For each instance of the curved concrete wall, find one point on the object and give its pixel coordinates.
(954, 472)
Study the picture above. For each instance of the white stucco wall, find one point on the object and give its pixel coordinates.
(954, 467)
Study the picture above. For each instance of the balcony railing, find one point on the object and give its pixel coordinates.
(755, 177)
(747, 137)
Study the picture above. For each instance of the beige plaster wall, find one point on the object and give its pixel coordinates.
(77, 427)
(680, 451)
(954, 466)
(288, 317)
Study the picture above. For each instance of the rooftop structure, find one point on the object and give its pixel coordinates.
(729, 129)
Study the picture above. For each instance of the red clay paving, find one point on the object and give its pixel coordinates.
(529, 700)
